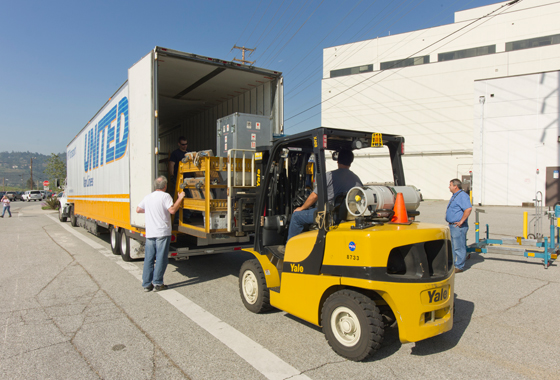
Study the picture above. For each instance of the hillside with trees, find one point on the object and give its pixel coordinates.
(15, 169)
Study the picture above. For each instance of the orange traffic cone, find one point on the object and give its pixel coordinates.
(400, 217)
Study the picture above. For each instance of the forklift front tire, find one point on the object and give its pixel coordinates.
(252, 287)
(352, 325)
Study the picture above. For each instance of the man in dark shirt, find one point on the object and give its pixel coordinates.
(176, 156)
(339, 181)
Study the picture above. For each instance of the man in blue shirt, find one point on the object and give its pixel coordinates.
(458, 210)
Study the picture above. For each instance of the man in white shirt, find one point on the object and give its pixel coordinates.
(158, 207)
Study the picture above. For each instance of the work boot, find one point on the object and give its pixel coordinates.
(159, 288)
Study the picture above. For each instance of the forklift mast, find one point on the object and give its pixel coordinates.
(283, 171)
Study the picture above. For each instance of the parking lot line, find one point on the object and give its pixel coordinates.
(260, 358)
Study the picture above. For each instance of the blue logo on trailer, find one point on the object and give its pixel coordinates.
(103, 142)
(352, 246)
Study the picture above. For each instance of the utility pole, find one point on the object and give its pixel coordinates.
(243, 50)
(31, 167)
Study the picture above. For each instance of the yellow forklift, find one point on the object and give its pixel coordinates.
(354, 272)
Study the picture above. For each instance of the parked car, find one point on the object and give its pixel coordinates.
(19, 195)
(32, 195)
(11, 195)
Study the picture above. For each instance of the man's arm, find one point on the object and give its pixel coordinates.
(140, 210)
(173, 209)
(170, 168)
(466, 214)
(310, 201)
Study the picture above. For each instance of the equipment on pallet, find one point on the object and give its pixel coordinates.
(548, 246)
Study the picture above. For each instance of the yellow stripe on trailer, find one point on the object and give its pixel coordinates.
(113, 213)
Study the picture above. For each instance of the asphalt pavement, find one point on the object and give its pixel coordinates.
(70, 309)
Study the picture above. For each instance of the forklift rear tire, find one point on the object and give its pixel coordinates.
(252, 287)
(115, 241)
(352, 325)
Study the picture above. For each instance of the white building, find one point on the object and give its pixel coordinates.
(477, 96)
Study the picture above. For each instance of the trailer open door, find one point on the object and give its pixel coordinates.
(143, 133)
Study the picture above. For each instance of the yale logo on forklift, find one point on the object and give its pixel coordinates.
(296, 268)
(315, 142)
(436, 295)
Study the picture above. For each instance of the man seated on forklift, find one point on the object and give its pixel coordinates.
(339, 181)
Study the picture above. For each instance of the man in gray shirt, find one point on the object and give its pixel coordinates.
(339, 181)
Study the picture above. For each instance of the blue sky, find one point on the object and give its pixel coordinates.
(62, 60)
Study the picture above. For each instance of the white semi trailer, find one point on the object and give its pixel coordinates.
(113, 161)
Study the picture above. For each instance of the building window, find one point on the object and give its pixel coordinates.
(533, 42)
(405, 62)
(351, 71)
(467, 53)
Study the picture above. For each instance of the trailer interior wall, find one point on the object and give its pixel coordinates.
(193, 95)
(431, 104)
(516, 137)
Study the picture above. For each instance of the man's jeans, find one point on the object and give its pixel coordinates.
(157, 249)
(459, 244)
(299, 220)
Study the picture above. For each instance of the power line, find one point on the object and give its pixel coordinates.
(297, 31)
(374, 18)
(296, 14)
(332, 30)
(257, 24)
(263, 35)
(417, 52)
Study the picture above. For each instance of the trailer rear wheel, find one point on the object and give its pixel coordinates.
(115, 242)
(60, 215)
(73, 218)
(125, 246)
(352, 324)
(252, 287)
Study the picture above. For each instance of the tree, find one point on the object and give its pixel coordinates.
(56, 169)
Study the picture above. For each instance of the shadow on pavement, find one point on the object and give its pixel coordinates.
(199, 269)
(526, 261)
(461, 320)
